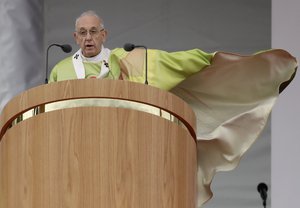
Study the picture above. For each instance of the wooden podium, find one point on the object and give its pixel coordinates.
(121, 145)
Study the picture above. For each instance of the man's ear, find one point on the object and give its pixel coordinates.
(104, 35)
(76, 37)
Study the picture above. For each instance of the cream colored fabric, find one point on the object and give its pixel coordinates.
(232, 99)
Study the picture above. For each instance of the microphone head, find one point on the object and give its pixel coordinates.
(261, 187)
(66, 48)
(129, 47)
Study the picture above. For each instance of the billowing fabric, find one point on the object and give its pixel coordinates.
(232, 97)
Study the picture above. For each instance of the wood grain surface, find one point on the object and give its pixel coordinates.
(91, 156)
(97, 157)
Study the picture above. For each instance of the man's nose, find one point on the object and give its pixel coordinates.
(88, 36)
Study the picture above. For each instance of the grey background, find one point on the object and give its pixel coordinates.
(240, 26)
(286, 114)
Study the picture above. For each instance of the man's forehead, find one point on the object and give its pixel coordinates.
(88, 21)
(88, 28)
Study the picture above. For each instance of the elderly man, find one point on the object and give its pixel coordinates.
(232, 95)
(92, 60)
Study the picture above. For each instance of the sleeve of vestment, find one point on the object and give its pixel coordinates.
(165, 69)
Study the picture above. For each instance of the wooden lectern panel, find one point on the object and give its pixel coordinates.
(130, 159)
(97, 156)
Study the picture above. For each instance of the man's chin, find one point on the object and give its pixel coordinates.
(90, 53)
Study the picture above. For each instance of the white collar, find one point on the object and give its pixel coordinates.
(78, 59)
(95, 59)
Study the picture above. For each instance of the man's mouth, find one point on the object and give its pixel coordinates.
(89, 46)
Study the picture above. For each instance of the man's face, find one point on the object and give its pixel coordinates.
(89, 35)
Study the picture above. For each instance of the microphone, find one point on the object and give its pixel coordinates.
(129, 47)
(262, 189)
(65, 47)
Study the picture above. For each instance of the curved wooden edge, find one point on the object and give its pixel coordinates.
(95, 88)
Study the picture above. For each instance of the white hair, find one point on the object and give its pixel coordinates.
(89, 13)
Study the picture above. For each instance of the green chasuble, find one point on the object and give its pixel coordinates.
(232, 96)
(165, 70)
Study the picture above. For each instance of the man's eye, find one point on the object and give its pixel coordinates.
(83, 32)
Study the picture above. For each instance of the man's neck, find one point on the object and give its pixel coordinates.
(96, 58)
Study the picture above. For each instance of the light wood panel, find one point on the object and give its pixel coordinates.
(129, 159)
(88, 157)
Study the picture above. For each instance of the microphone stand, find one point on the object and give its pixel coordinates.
(66, 48)
(146, 63)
